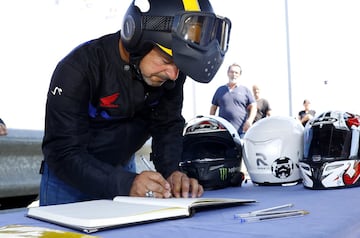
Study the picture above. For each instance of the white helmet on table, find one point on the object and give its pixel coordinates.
(272, 148)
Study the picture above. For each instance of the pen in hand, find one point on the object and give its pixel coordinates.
(149, 167)
(147, 164)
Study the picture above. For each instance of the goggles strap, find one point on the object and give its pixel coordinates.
(157, 23)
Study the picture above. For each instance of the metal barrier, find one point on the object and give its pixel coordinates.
(20, 160)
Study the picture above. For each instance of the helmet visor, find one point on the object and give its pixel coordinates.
(327, 144)
(199, 29)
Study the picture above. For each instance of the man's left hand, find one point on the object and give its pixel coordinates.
(247, 125)
(183, 186)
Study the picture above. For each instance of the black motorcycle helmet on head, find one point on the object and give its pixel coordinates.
(187, 30)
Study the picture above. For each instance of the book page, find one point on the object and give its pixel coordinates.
(181, 202)
(169, 202)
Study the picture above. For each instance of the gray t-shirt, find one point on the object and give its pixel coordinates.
(233, 104)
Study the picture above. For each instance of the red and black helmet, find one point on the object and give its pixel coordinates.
(331, 151)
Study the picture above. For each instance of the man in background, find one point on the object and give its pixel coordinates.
(306, 114)
(235, 102)
(263, 105)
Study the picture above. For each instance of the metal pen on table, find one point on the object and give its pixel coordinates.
(273, 216)
(273, 208)
(245, 215)
(266, 210)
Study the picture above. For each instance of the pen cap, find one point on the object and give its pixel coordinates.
(212, 152)
(272, 149)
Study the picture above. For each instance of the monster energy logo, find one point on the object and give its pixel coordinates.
(223, 173)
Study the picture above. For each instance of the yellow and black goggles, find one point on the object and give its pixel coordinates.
(199, 29)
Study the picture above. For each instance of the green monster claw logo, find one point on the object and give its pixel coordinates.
(227, 172)
(223, 173)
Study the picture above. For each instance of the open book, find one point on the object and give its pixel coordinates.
(91, 216)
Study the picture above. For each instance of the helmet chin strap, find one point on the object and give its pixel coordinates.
(134, 62)
(133, 59)
(136, 57)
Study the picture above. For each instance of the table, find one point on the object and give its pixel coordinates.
(333, 213)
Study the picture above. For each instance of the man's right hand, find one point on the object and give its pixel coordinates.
(148, 181)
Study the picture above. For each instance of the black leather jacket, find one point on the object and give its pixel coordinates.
(98, 115)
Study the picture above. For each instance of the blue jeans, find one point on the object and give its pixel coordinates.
(55, 191)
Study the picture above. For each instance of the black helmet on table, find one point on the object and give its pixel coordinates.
(187, 30)
(212, 152)
(331, 151)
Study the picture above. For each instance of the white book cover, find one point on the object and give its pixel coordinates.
(91, 216)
